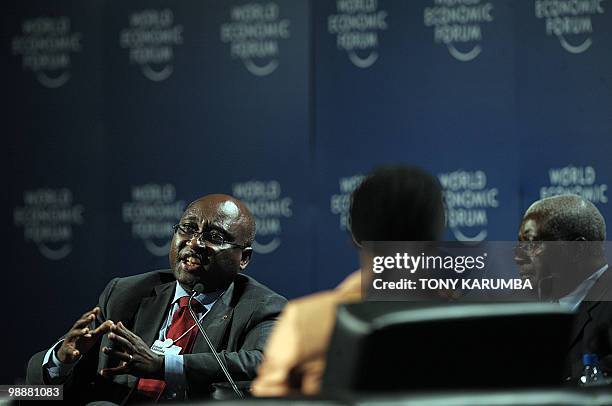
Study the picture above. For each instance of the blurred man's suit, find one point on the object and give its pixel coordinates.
(592, 328)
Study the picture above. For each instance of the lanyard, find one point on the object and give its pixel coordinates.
(169, 341)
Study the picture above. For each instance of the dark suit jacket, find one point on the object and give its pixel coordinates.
(238, 325)
(592, 328)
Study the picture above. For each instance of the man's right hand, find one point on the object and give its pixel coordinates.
(81, 338)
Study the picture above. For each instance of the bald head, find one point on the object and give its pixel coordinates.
(568, 217)
(231, 209)
(211, 243)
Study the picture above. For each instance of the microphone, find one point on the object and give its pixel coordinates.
(197, 289)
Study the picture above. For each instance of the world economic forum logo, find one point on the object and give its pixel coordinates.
(458, 24)
(254, 35)
(356, 26)
(570, 21)
(269, 207)
(576, 180)
(468, 200)
(340, 203)
(151, 39)
(151, 214)
(46, 45)
(48, 217)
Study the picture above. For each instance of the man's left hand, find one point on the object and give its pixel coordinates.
(135, 355)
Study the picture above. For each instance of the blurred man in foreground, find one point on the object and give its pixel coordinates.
(141, 343)
(561, 250)
(392, 204)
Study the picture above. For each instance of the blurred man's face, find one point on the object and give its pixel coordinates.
(529, 250)
(537, 258)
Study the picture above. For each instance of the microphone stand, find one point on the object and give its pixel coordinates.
(212, 348)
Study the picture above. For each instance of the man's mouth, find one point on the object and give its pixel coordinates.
(190, 261)
(520, 260)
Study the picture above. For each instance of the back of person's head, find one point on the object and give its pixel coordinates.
(568, 218)
(397, 203)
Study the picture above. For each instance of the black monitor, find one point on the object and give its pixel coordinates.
(399, 346)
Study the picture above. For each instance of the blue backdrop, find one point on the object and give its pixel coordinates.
(119, 114)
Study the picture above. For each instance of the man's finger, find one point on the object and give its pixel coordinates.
(126, 332)
(120, 355)
(84, 321)
(102, 328)
(93, 311)
(76, 333)
(121, 341)
(121, 327)
(115, 371)
(122, 331)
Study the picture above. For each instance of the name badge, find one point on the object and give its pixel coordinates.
(165, 348)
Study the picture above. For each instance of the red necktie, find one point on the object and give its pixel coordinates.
(181, 322)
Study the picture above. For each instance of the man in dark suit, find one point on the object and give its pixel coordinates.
(561, 251)
(140, 343)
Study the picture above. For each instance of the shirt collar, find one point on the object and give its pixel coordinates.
(572, 300)
(205, 299)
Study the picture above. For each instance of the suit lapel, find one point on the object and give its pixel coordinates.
(216, 321)
(152, 311)
(149, 318)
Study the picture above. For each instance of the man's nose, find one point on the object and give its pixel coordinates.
(520, 257)
(196, 242)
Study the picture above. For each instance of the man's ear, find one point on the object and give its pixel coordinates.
(246, 257)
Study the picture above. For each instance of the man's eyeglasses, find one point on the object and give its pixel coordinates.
(213, 237)
(530, 248)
